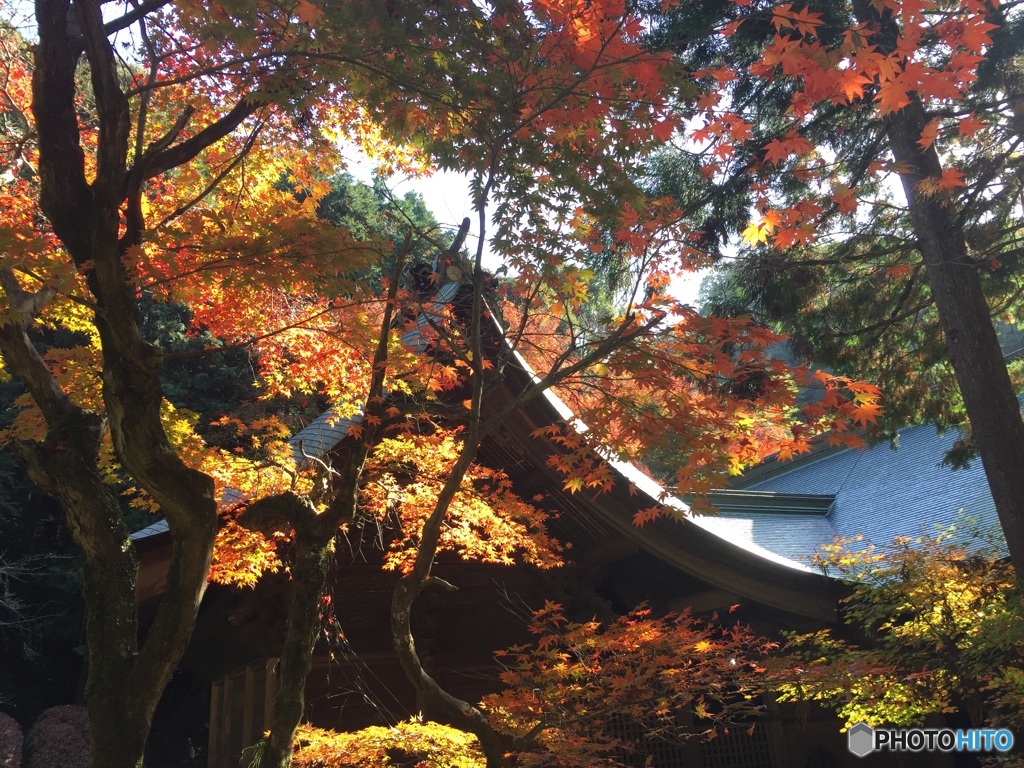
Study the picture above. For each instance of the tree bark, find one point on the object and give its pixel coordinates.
(308, 587)
(126, 677)
(314, 535)
(974, 352)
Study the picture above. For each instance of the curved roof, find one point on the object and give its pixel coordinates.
(696, 545)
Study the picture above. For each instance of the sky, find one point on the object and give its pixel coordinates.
(446, 194)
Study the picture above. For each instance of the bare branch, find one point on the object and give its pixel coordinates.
(136, 14)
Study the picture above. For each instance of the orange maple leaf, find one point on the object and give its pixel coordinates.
(928, 134)
(900, 270)
(951, 179)
(891, 98)
(308, 13)
(646, 516)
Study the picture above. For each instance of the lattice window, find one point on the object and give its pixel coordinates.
(660, 748)
(738, 749)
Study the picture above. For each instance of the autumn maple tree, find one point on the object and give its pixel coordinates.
(672, 676)
(192, 172)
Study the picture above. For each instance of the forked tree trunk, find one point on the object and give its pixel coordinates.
(126, 677)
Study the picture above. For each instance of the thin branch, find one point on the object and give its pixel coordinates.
(188, 149)
(134, 15)
(215, 182)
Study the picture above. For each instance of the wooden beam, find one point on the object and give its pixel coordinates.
(702, 602)
(249, 708)
(213, 744)
(224, 757)
(269, 694)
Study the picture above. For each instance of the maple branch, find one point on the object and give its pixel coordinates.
(618, 338)
(438, 99)
(270, 334)
(312, 552)
(22, 356)
(517, 337)
(140, 124)
(250, 141)
(410, 586)
(281, 511)
(181, 153)
(159, 145)
(233, 262)
(111, 109)
(437, 581)
(28, 303)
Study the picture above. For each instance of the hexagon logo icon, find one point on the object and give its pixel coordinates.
(860, 739)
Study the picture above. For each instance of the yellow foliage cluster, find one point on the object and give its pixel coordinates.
(486, 521)
(422, 744)
(944, 626)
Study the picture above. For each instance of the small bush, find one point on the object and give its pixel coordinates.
(425, 745)
(58, 739)
(10, 742)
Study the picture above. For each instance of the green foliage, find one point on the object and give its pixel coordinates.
(370, 212)
(199, 375)
(940, 629)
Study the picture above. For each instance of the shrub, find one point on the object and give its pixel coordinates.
(58, 739)
(425, 745)
(10, 742)
(946, 629)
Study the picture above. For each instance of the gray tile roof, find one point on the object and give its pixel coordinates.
(793, 536)
(322, 434)
(316, 439)
(883, 492)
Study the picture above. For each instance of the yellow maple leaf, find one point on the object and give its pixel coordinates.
(758, 231)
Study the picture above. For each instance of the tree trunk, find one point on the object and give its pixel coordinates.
(461, 713)
(126, 677)
(974, 351)
(308, 587)
(955, 281)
